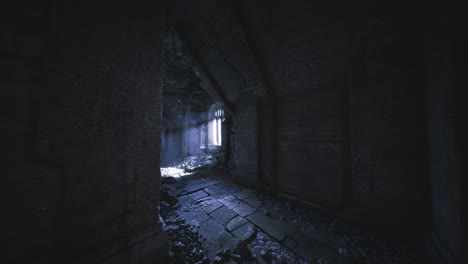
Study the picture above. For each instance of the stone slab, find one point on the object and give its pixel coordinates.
(243, 209)
(194, 187)
(221, 241)
(196, 216)
(273, 227)
(215, 191)
(198, 195)
(210, 229)
(183, 201)
(311, 249)
(230, 198)
(210, 208)
(230, 202)
(244, 232)
(207, 200)
(325, 237)
(290, 243)
(212, 181)
(235, 223)
(223, 215)
(254, 201)
(245, 193)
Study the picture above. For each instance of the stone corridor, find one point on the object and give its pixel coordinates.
(236, 224)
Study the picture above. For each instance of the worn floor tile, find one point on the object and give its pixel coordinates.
(311, 249)
(198, 195)
(207, 201)
(243, 209)
(245, 193)
(212, 181)
(230, 202)
(196, 216)
(210, 229)
(184, 200)
(235, 223)
(325, 237)
(194, 187)
(244, 232)
(221, 241)
(215, 191)
(210, 208)
(290, 243)
(275, 228)
(253, 201)
(223, 215)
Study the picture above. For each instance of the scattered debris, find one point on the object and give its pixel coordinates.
(186, 244)
(200, 220)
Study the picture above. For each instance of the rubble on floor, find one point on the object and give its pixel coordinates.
(190, 165)
(210, 219)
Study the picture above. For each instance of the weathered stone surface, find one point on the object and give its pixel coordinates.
(306, 233)
(244, 232)
(275, 228)
(207, 200)
(184, 200)
(290, 243)
(212, 181)
(325, 237)
(215, 191)
(195, 187)
(311, 249)
(235, 223)
(223, 215)
(243, 209)
(221, 241)
(253, 201)
(196, 216)
(230, 202)
(245, 193)
(230, 198)
(198, 195)
(227, 186)
(210, 208)
(210, 229)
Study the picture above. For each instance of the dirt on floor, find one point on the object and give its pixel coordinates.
(210, 219)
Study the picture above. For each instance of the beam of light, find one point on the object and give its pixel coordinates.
(190, 133)
(218, 126)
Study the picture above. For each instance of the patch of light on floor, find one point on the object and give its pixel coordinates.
(174, 172)
(188, 166)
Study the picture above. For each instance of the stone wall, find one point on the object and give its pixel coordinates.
(246, 141)
(86, 131)
(444, 79)
(388, 124)
(186, 104)
(341, 108)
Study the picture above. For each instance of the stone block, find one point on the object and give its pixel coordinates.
(210, 229)
(273, 227)
(223, 215)
(222, 241)
(230, 202)
(311, 249)
(245, 193)
(197, 216)
(210, 208)
(235, 223)
(243, 209)
(244, 232)
(198, 195)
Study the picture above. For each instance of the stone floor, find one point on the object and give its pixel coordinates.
(231, 219)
